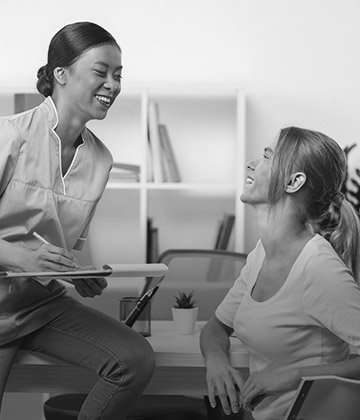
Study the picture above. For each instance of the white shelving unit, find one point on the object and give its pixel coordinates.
(207, 133)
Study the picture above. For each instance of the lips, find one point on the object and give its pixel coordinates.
(104, 100)
(249, 180)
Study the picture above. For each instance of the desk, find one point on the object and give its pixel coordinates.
(180, 368)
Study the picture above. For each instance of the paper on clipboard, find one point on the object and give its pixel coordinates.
(108, 270)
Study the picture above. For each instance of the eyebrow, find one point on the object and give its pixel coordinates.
(268, 150)
(106, 65)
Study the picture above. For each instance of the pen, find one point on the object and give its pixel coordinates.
(44, 241)
(37, 236)
(143, 301)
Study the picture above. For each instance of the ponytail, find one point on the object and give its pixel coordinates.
(345, 238)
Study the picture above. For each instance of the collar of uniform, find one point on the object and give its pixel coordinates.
(52, 114)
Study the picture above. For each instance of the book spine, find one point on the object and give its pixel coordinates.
(155, 141)
(169, 153)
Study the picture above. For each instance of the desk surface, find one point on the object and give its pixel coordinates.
(170, 349)
(180, 368)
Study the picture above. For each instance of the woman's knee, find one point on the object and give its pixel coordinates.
(133, 360)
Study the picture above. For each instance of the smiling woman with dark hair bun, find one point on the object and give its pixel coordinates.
(53, 172)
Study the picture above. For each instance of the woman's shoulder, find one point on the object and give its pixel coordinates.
(24, 121)
(96, 146)
(323, 265)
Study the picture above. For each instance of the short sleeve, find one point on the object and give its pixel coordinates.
(9, 152)
(331, 297)
(227, 309)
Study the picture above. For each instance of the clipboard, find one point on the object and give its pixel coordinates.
(108, 270)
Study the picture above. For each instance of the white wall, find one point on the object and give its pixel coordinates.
(297, 60)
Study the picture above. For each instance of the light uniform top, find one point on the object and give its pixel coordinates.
(309, 321)
(35, 196)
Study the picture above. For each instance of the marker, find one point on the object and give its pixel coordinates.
(44, 241)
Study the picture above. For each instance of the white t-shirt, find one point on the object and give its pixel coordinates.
(309, 321)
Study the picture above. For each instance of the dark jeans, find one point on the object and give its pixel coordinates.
(82, 336)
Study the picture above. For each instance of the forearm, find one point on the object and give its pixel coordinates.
(346, 369)
(214, 340)
(11, 256)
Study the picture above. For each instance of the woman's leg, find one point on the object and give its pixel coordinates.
(122, 358)
(8, 353)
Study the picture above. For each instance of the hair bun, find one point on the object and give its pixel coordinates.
(44, 85)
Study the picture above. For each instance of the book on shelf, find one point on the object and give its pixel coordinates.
(154, 137)
(125, 172)
(224, 231)
(170, 167)
(162, 166)
(152, 242)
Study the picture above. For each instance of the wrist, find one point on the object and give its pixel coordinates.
(216, 357)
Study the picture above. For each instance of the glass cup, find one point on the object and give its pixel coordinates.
(143, 323)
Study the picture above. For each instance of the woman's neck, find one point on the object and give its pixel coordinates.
(280, 230)
(69, 126)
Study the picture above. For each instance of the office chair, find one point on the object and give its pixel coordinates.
(326, 397)
(210, 273)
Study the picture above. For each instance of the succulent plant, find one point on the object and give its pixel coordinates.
(185, 300)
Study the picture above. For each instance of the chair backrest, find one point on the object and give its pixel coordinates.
(210, 273)
(326, 397)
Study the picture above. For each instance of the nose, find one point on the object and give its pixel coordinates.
(112, 85)
(252, 164)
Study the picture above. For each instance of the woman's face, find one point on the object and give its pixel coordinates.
(256, 189)
(94, 81)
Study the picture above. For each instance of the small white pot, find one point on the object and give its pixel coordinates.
(185, 320)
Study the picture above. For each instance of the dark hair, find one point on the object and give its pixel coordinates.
(320, 201)
(66, 46)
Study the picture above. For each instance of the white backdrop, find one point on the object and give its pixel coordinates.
(297, 60)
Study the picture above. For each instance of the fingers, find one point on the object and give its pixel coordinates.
(57, 259)
(252, 393)
(227, 389)
(90, 287)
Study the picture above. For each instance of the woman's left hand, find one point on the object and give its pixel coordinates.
(90, 287)
(261, 384)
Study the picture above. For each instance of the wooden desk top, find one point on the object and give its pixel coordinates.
(171, 349)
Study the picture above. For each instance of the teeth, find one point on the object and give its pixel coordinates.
(103, 99)
(249, 180)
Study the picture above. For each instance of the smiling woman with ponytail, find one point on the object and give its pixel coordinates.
(296, 305)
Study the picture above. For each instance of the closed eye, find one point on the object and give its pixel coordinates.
(100, 73)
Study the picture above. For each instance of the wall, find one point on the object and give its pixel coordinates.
(297, 60)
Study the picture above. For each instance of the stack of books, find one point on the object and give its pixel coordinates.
(162, 165)
(125, 172)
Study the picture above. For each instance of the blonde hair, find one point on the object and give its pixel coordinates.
(320, 201)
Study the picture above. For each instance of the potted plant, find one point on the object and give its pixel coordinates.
(185, 312)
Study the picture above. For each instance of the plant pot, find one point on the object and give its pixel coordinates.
(185, 320)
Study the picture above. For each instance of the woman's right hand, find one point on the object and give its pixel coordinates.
(48, 258)
(225, 381)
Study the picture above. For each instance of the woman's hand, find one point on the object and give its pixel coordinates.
(90, 287)
(47, 258)
(261, 384)
(224, 380)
